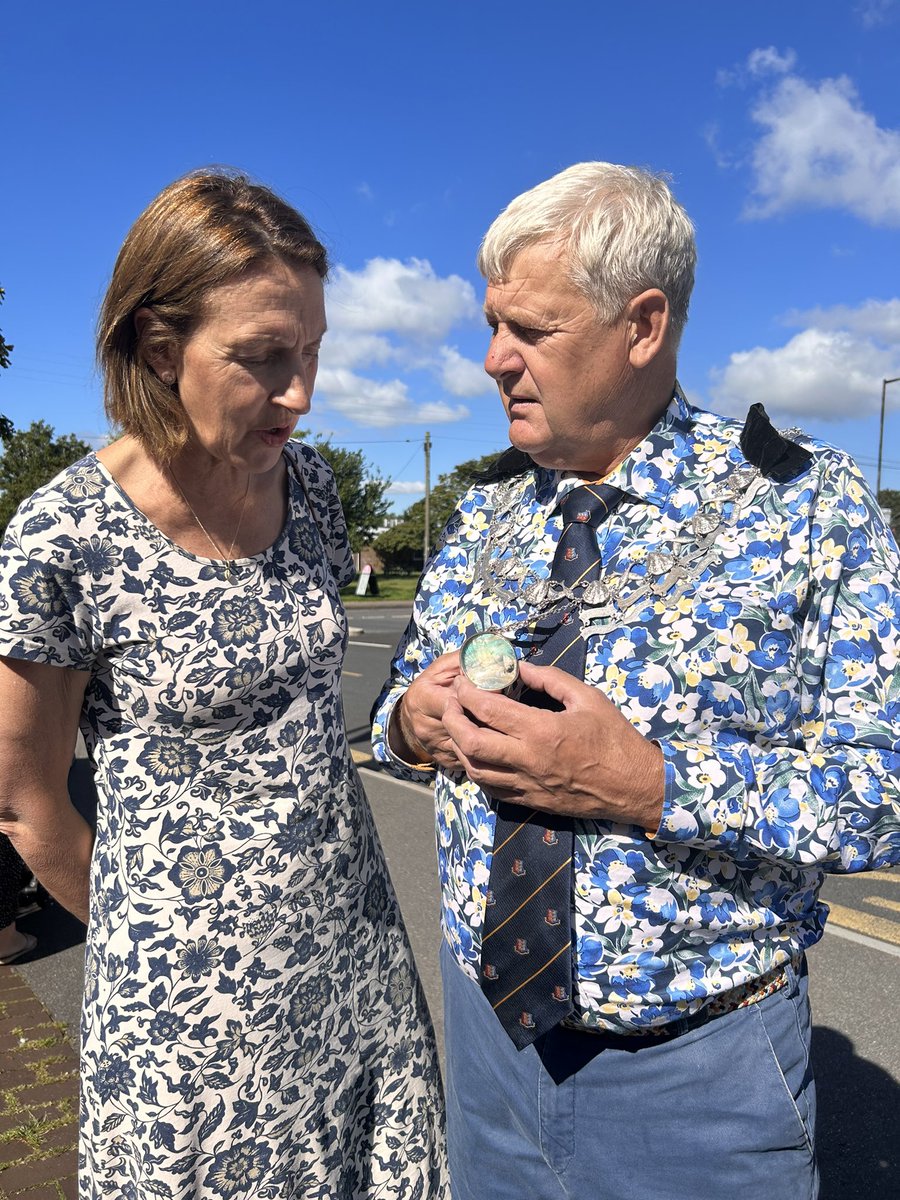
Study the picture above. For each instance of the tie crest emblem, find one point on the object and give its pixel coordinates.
(518, 867)
(520, 945)
(552, 917)
(550, 837)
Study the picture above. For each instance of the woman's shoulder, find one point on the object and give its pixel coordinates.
(67, 497)
(311, 466)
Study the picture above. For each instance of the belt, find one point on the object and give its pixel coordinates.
(742, 996)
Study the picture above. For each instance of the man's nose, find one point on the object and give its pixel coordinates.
(503, 357)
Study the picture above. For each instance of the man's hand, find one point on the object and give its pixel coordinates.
(416, 733)
(587, 761)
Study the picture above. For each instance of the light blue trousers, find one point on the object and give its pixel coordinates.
(721, 1112)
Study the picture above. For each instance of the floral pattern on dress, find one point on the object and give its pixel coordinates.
(772, 685)
(253, 1025)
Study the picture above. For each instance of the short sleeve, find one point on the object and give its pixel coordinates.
(47, 613)
(321, 488)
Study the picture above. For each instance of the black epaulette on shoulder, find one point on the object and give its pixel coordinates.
(511, 462)
(776, 456)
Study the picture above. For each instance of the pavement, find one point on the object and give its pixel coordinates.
(38, 1097)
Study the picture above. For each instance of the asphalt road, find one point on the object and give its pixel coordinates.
(854, 971)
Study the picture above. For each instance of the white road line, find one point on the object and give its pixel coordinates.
(872, 943)
(375, 645)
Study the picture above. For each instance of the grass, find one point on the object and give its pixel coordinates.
(390, 587)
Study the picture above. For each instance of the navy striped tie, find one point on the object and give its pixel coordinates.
(526, 951)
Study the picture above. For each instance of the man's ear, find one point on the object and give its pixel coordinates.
(649, 320)
(154, 347)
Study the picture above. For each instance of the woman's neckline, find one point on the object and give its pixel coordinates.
(221, 563)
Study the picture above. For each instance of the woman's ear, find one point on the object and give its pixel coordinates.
(155, 349)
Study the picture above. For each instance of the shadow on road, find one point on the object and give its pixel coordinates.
(858, 1122)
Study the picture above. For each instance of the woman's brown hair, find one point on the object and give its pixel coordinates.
(201, 231)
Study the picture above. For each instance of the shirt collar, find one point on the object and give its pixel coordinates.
(648, 472)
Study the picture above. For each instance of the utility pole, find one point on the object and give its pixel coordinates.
(884, 384)
(426, 544)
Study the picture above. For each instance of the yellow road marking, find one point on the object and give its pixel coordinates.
(361, 758)
(355, 674)
(875, 927)
(884, 876)
(883, 902)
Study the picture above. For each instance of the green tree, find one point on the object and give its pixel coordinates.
(891, 499)
(401, 547)
(31, 457)
(360, 487)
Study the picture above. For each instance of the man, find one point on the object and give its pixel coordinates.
(723, 606)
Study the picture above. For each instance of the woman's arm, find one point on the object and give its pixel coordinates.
(41, 706)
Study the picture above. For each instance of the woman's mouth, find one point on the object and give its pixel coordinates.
(277, 435)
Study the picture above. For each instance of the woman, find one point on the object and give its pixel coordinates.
(253, 1025)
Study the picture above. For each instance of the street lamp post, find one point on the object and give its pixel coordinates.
(884, 384)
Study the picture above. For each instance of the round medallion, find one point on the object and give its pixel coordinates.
(489, 661)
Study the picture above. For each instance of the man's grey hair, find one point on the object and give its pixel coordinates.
(621, 227)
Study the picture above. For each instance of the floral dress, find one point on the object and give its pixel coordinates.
(253, 1025)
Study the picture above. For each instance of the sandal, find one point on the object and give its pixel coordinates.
(29, 945)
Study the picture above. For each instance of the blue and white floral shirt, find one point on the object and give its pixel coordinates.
(771, 682)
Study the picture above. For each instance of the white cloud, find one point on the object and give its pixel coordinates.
(821, 149)
(878, 319)
(380, 403)
(873, 13)
(412, 487)
(461, 376)
(831, 370)
(409, 299)
(768, 61)
(356, 349)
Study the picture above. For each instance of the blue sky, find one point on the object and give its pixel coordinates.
(401, 130)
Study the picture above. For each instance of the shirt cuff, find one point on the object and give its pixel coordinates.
(381, 747)
(705, 797)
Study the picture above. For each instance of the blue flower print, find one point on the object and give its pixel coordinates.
(82, 482)
(400, 987)
(169, 760)
(851, 665)
(201, 874)
(239, 1170)
(828, 784)
(42, 589)
(635, 973)
(724, 699)
(166, 1027)
(309, 1003)
(758, 563)
(858, 550)
(300, 832)
(773, 652)
(650, 685)
(782, 708)
(718, 614)
(779, 815)
(99, 555)
(716, 908)
(238, 621)
(199, 958)
(884, 606)
(729, 954)
(112, 1076)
